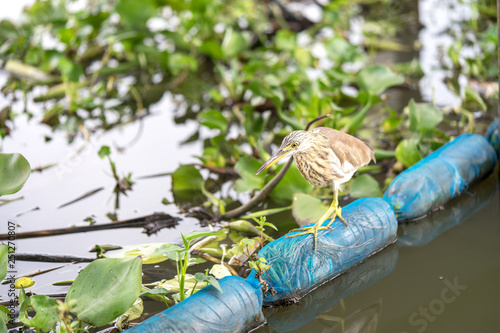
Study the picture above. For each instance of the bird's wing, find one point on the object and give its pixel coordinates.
(351, 152)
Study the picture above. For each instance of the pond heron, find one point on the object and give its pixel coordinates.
(323, 156)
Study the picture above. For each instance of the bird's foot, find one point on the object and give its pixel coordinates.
(337, 212)
(309, 230)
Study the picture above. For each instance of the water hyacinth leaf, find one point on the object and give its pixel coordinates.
(3, 326)
(219, 271)
(473, 96)
(4, 315)
(212, 49)
(407, 152)
(152, 253)
(105, 289)
(22, 296)
(172, 251)
(246, 167)
(154, 292)
(365, 186)
(340, 50)
(377, 78)
(135, 13)
(69, 70)
(63, 283)
(4, 258)
(286, 40)
(187, 183)
(303, 55)
(14, 171)
(23, 282)
(104, 151)
(187, 178)
(213, 119)
(234, 43)
(424, 116)
(264, 89)
(46, 312)
(292, 183)
(200, 277)
(354, 122)
(172, 285)
(307, 209)
(135, 310)
(198, 234)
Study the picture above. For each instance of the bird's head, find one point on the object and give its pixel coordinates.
(292, 143)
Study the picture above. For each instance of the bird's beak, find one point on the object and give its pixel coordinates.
(280, 154)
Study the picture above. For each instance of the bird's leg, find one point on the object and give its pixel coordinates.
(311, 230)
(336, 210)
(331, 212)
(317, 226)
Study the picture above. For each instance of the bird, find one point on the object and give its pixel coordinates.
(324, 156)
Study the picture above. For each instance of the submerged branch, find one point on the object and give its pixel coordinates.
(50, 258)
(137, 222)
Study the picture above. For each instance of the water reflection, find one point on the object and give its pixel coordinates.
(315, 304)
(423, 231)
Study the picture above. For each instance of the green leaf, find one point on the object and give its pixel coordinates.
(286, 40)
(424, 116)
(172, 251)
(187, 178)
(473, 96)
(307, 209)
(353, 122)
(200, 277)
(179, 62)
(248, 241)
(212, 49)
(4, 315)
(407, 152)
(14, 171)
(105, 289)
(213, 119)
(46, 312)
(246, 167)
(233, 43)
(135, 13)
(22, 296)
(135, 311)
(220, 271)
(303, 56)
(341, 51)
(4, 258)
(377, 78)
(151, 253)
(198, 234)
(70, 70)
(292, 183)
(154, 292)
(172, 285)
(104, 151)
(365, 186)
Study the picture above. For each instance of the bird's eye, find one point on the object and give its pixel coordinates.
(294, 145)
